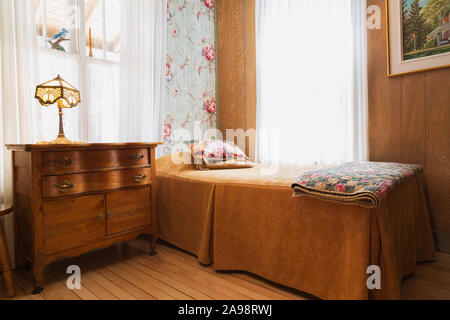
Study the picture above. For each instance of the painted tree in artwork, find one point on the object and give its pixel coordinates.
(435, 11)
(416, 26)
(424, 27)
(408, 44)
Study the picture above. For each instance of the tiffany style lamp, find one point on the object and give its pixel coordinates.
(64, 94)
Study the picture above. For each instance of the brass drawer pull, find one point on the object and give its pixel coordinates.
(63, 163)
(138, 156)
(140, 177)
(64, 187)
(110, 215)
(101, 217)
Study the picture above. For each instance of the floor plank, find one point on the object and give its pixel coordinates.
(157, 288)
(191, 260)
(127, 272)
(177, 274)
(129, 287)
(194, 294)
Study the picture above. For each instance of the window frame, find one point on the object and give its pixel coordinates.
(41, 5)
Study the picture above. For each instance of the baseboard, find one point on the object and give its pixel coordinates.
(442, 241)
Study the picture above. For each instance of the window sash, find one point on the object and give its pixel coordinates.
(80, 30)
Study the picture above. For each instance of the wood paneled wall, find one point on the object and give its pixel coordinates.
(236, 64)
(409, 116)
(409, 121)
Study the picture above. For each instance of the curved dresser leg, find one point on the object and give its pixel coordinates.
(38, 274)
(153, 240)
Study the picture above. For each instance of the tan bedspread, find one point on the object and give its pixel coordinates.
(247, 220)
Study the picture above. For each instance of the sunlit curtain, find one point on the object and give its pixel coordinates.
(100, 99)
(104, 100)
(142, 70)
(311, 80)
(96, 119)
(19, 119)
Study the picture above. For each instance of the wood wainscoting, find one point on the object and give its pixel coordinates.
(409, 119)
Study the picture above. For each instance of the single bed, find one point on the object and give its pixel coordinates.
(247, 220)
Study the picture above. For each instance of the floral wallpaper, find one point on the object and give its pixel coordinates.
(190, 68)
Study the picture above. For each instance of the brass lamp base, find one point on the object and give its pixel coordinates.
(61, 138)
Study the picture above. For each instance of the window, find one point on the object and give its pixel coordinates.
(65, 29)
(100, 18)
(103, 28)
(311, 81)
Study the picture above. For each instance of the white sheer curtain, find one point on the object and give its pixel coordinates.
(100, 101)
(311, 78)
(103, 93)
(96, 118)
(19, 117)
(142, 69)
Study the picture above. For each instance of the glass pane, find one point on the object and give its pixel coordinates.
(112, 14)
(94, 28)
(103, 29)
(57, 35)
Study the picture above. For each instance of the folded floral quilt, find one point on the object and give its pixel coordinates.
(362, 183)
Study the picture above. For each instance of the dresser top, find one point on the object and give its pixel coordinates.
(80, 146)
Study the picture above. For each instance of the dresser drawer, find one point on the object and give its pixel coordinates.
(70, 222)
(128, 209)
(58, 186)
(75, 161)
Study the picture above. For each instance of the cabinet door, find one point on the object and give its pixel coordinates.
(72, 222)
(128, 209)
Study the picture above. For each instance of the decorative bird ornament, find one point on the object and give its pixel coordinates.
(58, 38)
(61, 34)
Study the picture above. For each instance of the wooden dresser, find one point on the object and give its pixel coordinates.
(71, 199)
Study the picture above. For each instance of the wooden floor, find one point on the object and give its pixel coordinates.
(127, 272)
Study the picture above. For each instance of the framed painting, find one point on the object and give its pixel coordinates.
(418, 35)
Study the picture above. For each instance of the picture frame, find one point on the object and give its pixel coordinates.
(410, 48)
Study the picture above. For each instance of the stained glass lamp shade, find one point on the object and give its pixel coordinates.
(60, 92)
